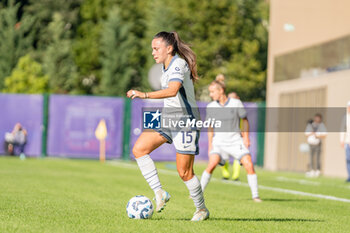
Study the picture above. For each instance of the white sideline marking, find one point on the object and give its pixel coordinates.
(280, 190)
(303, 182)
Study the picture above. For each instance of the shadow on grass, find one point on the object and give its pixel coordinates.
(267, 219)
(289, 200)
(250, 219)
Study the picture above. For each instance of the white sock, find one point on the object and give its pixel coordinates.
(149, 171)
(196, 193)
(205, 179)
(253, 184)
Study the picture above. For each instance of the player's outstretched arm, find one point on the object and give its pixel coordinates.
(171, 91)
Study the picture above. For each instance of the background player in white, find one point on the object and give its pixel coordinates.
(236, 165)
(229, 143)
(179, 73)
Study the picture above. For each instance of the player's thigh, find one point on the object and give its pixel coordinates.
(147, 142)
(184, 165)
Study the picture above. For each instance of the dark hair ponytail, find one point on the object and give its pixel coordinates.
(183, 49)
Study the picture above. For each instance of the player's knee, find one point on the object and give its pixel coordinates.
(185, 174)
(248, 164)
(138, 151)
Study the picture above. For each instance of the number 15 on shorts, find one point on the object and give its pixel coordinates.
(187, 137)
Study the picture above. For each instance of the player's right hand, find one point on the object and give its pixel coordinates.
(134, 94)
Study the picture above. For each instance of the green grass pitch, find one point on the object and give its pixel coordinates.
(62, 195)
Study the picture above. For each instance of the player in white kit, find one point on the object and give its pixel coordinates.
(179, 73)
(227, 141)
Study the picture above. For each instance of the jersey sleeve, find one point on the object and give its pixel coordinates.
(177, 71)
(242, 113)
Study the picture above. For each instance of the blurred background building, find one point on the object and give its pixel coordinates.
(308, 66)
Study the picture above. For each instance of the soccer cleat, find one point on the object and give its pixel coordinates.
(225, 172)
(200, 215)
(161, 198)
(236, 169)
(257, 200)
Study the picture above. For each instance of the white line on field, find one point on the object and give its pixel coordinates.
(280, 190)
(299, 181)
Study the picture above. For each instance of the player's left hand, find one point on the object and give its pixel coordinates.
(135, 94)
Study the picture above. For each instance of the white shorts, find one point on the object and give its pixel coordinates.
(185, 142)
(237, 150)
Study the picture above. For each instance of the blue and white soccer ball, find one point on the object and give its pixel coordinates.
(139, 207)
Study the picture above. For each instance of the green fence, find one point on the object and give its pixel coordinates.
(45, 124)
(261, 133)
(127, 128)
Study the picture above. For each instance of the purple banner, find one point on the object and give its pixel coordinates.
(167, 152)
(24, 109)
(252, 115)
(73, 121)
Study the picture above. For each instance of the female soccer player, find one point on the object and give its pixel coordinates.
(236, 166)
(179, 73)
(228, 143)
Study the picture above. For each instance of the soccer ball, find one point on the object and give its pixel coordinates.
(139, 207)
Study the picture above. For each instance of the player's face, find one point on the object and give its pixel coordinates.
(160, 51)
(215, 92)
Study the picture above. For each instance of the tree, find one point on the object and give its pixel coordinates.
(86, 46)
(87, 49)
(247, 68)
(16, 38)
(58, 59)
(117, 48)
(228, 37)
(44, 10)
(27, 77)
(71, 41)
(134, 13)
(159, 17)
(246, 76)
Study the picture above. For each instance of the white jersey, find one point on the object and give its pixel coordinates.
(179, 71)
(229, 114)
(181, 105)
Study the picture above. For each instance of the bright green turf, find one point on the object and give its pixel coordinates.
(58, 195)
